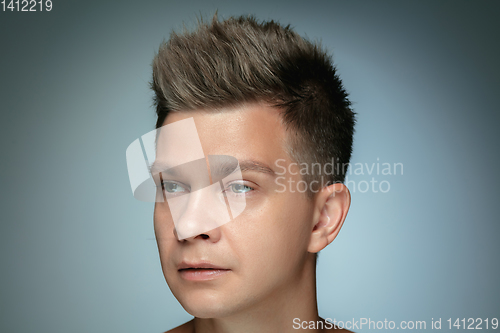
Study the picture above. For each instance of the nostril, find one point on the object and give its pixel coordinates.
(204, 236)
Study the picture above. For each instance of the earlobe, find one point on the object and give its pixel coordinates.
(332, 205)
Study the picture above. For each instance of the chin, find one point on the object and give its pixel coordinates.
(201, 308)
(209, 303)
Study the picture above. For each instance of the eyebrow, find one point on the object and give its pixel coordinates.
(245, 165)
(220, 170)
(158, 167)
(251, 165)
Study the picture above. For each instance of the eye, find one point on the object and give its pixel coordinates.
(173, 187)
(239, 188)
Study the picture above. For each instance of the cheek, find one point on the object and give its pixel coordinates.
(163, 225)
(275, 235)
(165, 238)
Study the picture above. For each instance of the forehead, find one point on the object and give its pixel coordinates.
(246, 132)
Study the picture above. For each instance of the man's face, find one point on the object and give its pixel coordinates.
(263, 251)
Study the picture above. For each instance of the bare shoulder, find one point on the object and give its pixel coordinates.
(189, 328)
(185, 328)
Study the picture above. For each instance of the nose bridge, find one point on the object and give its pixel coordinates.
(199, 211)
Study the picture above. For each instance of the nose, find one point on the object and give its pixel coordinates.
(213, 236)
(199, 214)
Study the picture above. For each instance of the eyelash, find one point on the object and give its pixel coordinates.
(175, 183)
(241, 183)
(226, 190)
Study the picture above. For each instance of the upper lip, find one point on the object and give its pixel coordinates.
(194, 265)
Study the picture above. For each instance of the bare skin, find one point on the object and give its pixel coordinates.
(190, 327)
(268, 251)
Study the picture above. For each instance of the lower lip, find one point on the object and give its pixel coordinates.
(202, 274)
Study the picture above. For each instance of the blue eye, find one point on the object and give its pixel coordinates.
(172, 187)
(240, 188)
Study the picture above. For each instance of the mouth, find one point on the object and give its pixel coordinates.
(201, 271)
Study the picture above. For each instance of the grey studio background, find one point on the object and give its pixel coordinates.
(77, 251)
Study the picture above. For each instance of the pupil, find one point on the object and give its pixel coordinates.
(239, 188)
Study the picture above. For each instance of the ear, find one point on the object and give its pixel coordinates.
(330, 210)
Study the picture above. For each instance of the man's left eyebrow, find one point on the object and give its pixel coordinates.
(224, 169)
(251, 165)
(245, 165)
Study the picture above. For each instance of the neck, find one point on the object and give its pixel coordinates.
(275, 314)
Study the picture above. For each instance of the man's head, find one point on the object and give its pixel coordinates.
(262, 94)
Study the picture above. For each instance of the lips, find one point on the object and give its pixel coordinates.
(201, 271)
(201, 265)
